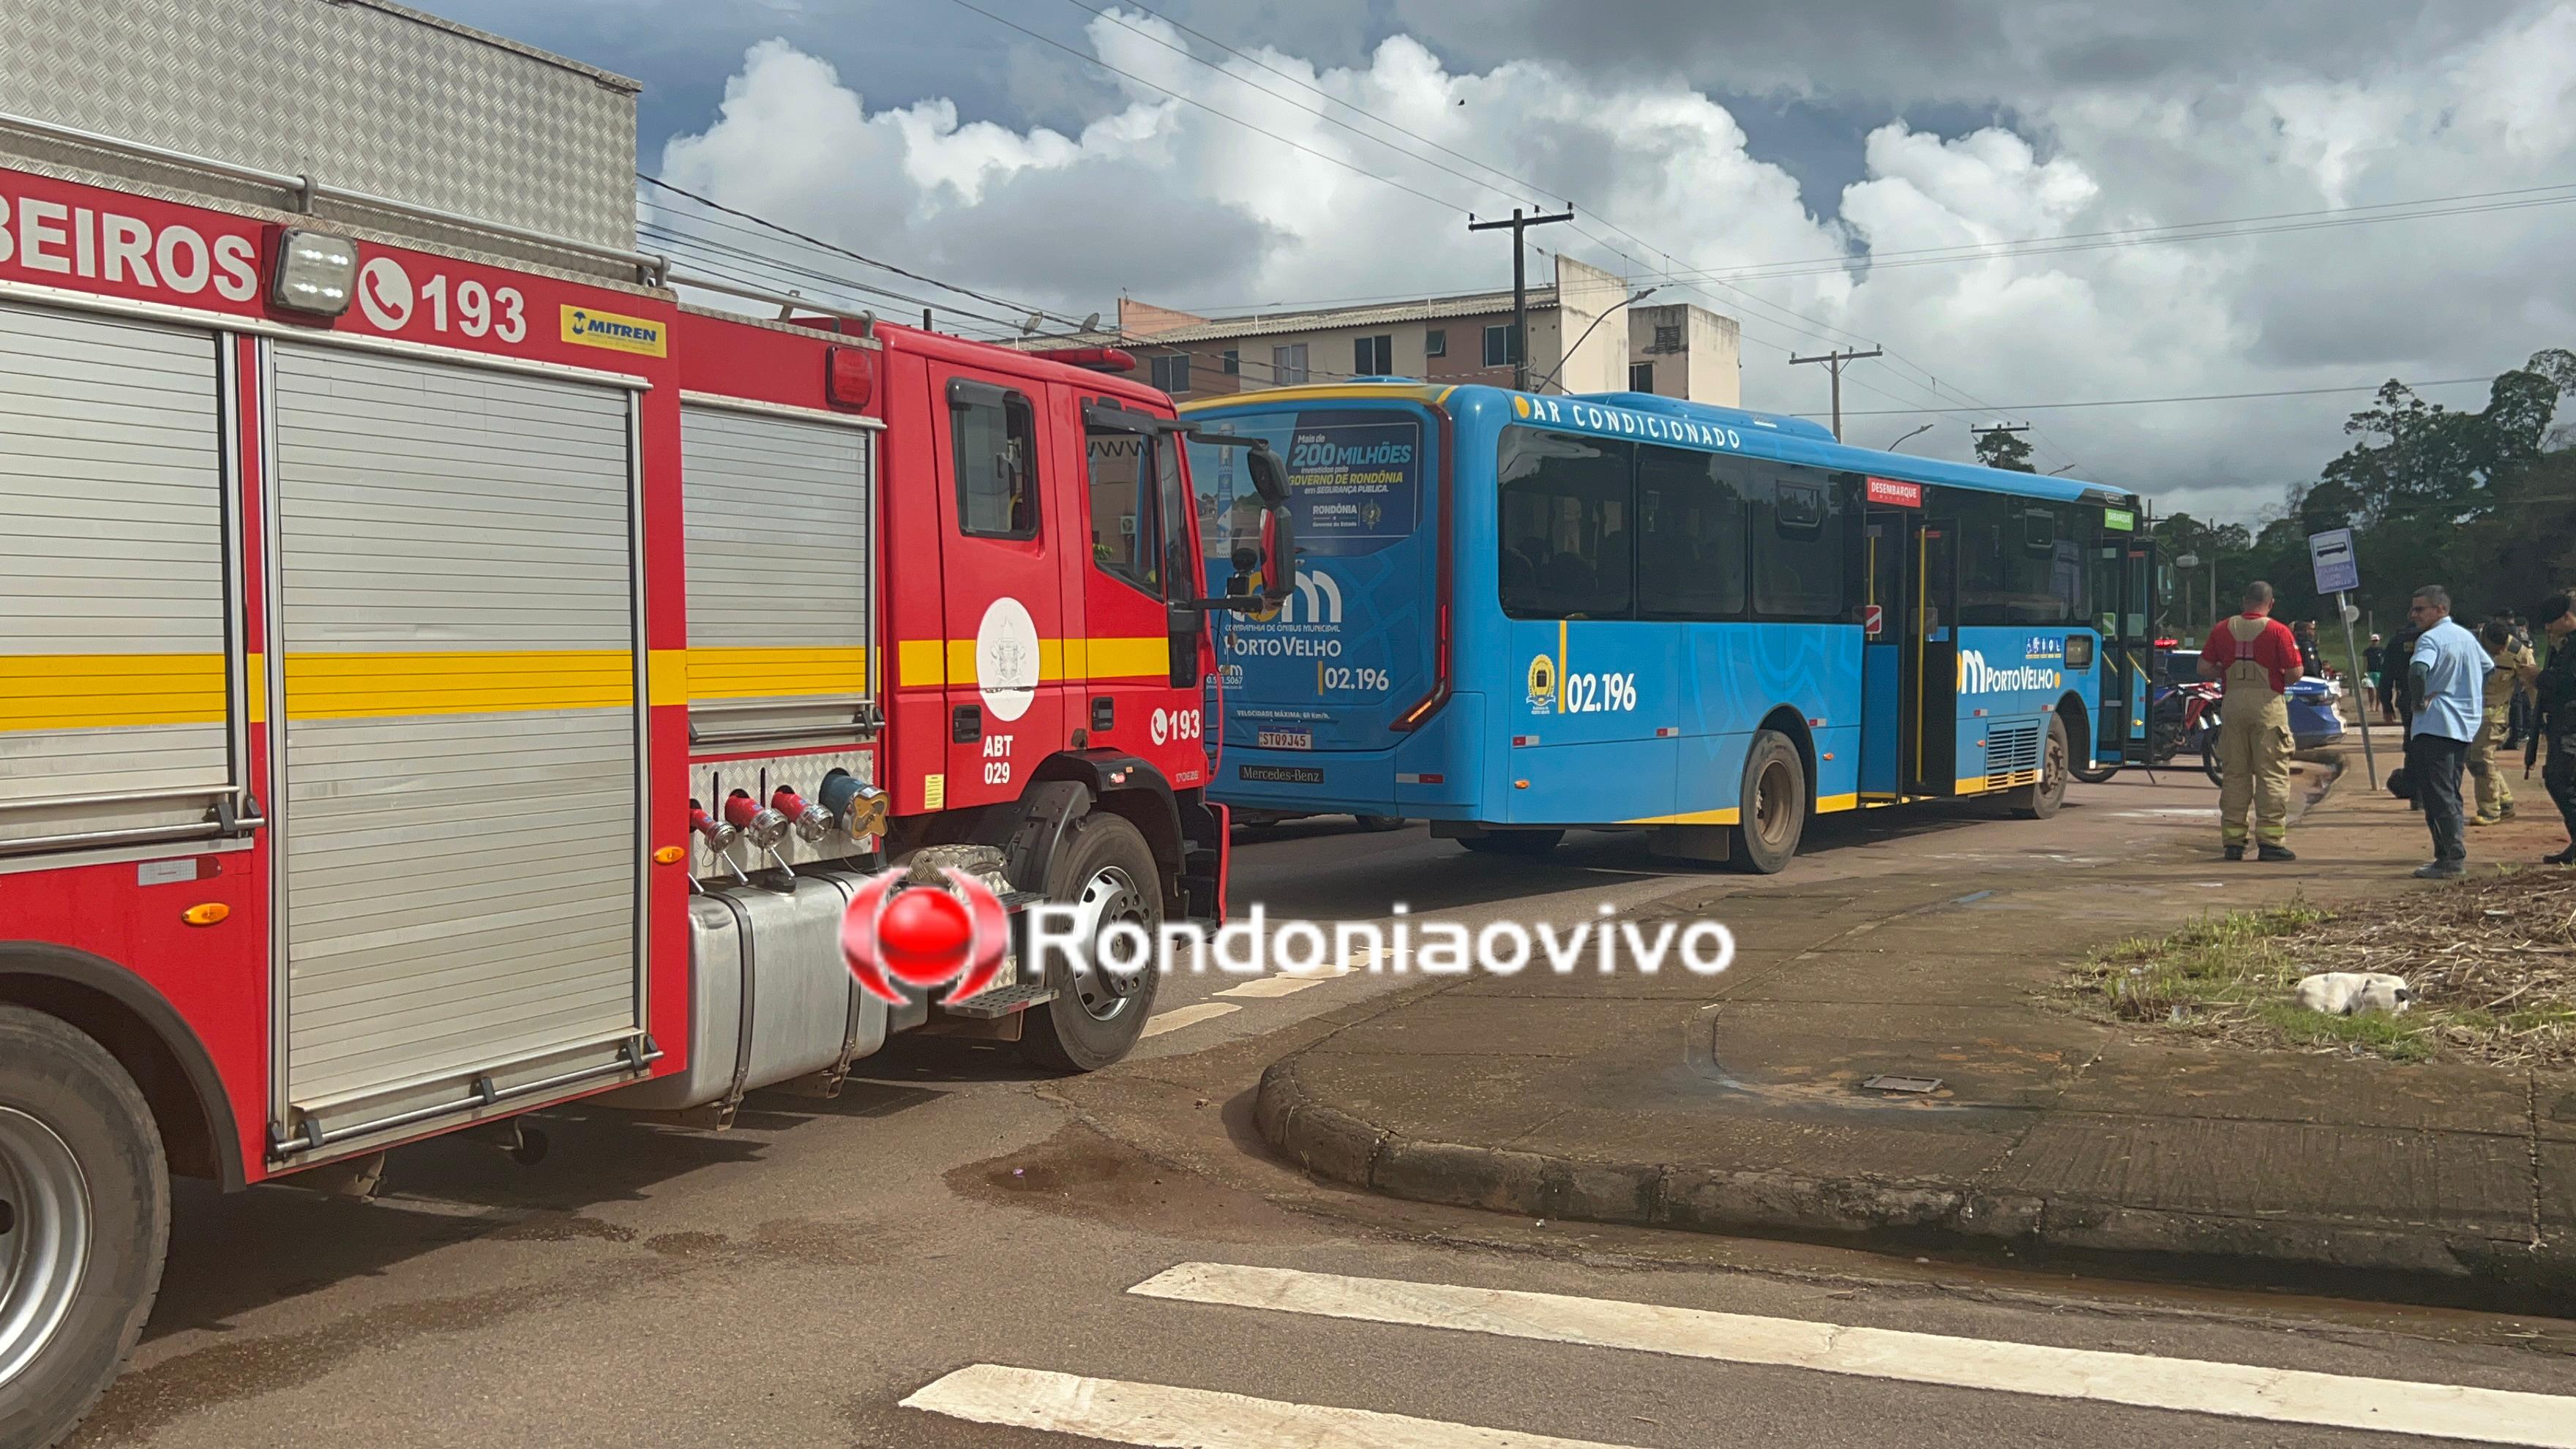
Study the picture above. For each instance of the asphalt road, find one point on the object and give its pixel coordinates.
(795, 1280)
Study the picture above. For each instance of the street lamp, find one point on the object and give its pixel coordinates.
(2189, 561)
(1899, 443)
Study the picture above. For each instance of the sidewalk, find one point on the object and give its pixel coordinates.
(1734, 1105)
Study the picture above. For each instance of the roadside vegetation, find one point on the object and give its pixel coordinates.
(2492, 964)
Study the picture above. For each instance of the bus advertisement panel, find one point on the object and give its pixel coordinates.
(1350, 646)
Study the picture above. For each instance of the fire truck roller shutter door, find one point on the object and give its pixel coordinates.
(457, 615)
(112, 610)
(779, 548)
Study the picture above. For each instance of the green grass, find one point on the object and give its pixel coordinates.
(2233, 975)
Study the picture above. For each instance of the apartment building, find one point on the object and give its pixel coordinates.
(1583, 337)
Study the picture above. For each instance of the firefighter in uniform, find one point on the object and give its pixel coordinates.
(2554, 715)
(2514, 667)
(2259, 659)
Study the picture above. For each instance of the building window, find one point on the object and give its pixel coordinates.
(1668, 337)
(1502, 345)
(1435, 343)
(1172, 373)
(1372, 356)
(1288, 364)
(1230, 362)
(993, 438)
(1641, 377)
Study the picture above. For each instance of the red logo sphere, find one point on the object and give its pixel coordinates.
(924, 935)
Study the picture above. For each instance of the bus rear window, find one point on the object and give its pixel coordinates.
(1354, 480)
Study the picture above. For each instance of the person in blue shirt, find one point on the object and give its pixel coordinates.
(2450, 672)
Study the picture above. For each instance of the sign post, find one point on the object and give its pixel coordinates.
(2338, 572)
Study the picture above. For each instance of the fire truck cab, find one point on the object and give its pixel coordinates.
(446, 671)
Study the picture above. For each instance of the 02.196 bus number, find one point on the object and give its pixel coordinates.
(1599, 693)
(1363, 678)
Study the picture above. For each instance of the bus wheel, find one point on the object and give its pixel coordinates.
(2040, 799)
(1771, 808)
(1106, 871)
(84, 1223)
(1513, 842)
(1380, 822)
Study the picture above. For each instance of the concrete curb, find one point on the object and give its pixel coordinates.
(1333, 1144)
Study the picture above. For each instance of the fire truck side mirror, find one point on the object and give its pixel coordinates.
(1278, 525)
(1187, 624)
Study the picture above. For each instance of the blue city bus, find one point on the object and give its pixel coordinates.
(1516, 614)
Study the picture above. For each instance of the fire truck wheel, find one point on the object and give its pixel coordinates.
(1771, 811)
(84, 1222)
(2040, 799)
(1104, 868)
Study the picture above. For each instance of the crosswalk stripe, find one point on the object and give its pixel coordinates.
(1268, 986)
(1174, 1418)
(2295, 1396)
(1188, 1016)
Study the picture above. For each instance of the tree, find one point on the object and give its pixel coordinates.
(1999, 449)
(2468, 499)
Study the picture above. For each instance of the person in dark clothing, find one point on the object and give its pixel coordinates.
(2374, 673)
(2554, 714)
(2517, 720)
(2311, 664)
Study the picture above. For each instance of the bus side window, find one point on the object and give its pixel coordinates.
(1566, 542)
(1799, 550)
(1690, 540)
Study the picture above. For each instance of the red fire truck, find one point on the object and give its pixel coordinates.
(444, 674)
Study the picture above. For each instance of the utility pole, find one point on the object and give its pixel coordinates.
(1520, 281)
(1833, 362)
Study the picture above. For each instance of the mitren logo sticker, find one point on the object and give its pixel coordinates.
(1895, 493)
(590, 327)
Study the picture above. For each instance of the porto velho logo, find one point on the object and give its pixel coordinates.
(590, 327)
(1976, 676)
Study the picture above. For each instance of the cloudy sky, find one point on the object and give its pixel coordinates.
(1811, 167)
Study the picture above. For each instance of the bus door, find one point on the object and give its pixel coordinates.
(2129, 669)
(2133, 644)
(1929, 661)
(1885, 732)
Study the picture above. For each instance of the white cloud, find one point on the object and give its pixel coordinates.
(1161, 199)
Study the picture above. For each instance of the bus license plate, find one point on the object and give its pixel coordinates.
(1284, 739)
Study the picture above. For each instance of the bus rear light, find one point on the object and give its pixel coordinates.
(315, 272)
(850, 376)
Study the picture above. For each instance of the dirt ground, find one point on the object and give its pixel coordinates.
(2492, 963)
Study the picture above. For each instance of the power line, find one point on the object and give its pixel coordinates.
(1934, 389)
(839, 250)
(2123, 402)
(1351, 167)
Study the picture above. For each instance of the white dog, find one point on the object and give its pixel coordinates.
(2341, 993)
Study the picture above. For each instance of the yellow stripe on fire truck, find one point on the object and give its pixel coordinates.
(103, 691)
(952, 661)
